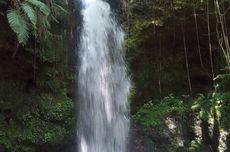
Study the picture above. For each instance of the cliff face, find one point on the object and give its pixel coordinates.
(167, 54)
(36, 107)
(15, 63)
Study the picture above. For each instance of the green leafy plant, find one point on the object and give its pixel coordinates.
(154, 112)
(18, 24)
(23, 18)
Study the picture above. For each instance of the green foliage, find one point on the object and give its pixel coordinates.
(224, 109)
(20, 18)
(18, 24)
(41, 6)
(133, 40)
(53, 43)
(223, 99)
(225, 114)
(30, 12)
(203, 105)
(223, 82)
(34, 119)
(154, 112)
(41, 117)
(33, 19)
(49, 123)
(55, 109)
(155, 49)
(194, 146)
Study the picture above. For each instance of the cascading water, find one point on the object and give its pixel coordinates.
(103, 85)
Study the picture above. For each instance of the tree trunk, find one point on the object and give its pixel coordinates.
(216, 132)
(188, 128)
(206, 139)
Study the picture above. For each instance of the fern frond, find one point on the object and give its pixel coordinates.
(41, 6)
(54, 18)
(46, 22)
(60, 8)
(30, 13)
(54, 36)
(18, 24)
(59, 12)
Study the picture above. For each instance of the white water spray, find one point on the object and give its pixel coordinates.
(103, 85)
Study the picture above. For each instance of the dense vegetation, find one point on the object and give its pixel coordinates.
(36, 101)
(178, 54)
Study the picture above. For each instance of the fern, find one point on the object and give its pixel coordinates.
(18, 24)
(30, 13)
(46, 22)
(58, 12)
(60, 8)
(41, 6)
(23, 18)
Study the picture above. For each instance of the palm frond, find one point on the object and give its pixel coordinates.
(30, 13)
(18, 24)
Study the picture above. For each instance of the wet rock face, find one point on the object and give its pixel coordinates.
(2, 149)
(15, 62)
(169, 136)
(138, 139)
(148, 140)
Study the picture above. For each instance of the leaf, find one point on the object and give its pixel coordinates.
(18, 24)
(54, 19)
(29, 11)
(41, 6)
(46, 22)
(58, 7)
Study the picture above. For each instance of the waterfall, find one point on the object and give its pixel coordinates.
(103, 84)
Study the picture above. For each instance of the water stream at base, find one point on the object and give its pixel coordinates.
(103, 84)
